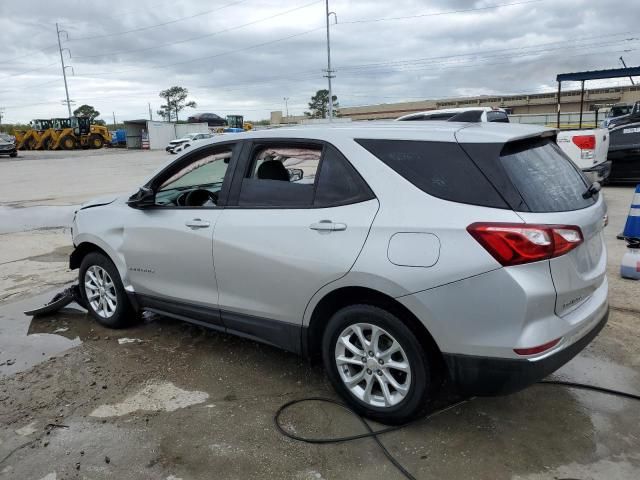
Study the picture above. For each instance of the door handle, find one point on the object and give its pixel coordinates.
(197, 223)
(328, 226)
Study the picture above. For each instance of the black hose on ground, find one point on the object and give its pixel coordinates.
(371, 433)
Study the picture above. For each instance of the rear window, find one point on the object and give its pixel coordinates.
(441, 169)
(545, 178)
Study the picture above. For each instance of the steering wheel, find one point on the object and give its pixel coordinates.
(198, 197)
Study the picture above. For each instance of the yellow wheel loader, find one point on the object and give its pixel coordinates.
(32, 137)
(80, 133)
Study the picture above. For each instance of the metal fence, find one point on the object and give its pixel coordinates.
(567, 119)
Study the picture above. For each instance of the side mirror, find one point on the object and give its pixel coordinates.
(143, 198)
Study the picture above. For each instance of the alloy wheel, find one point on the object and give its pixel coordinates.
(373, 365)
(100, 291)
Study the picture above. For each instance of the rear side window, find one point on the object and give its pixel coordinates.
(545, 178)
(497, 116)
(441, 169)
(282, 176)
(339, 183)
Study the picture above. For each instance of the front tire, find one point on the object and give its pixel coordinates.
(377, 364)
(68, 142)
(103, 292)
(96, 141)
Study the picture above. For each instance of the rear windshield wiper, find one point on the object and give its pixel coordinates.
(593, 189)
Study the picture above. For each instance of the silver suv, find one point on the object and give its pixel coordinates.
(400, 253)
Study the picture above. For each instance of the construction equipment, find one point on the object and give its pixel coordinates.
(31, 139)
(237, 121)
(78, 132)
(62, 134)
(235, 124)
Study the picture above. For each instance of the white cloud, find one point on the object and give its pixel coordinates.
(231, 68)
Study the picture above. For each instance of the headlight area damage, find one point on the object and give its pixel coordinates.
(99, 202)
(59, 301)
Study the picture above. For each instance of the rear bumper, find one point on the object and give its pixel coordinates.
(475, 375)
(599, 172)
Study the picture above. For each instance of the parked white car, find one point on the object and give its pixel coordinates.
(588, 149)
(467, 114)
(180, 144)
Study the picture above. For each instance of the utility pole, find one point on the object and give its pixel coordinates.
(150, 112)
(329, 71)
(64, 69)
(625, 66)
(114, 118)
(1, 112)
(286, 107)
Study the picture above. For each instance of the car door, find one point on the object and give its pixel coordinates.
(298, 217)
(168, 247)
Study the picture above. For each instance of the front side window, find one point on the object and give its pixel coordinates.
(197, 184)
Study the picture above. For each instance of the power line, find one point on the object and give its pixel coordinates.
(482, 52)
(208, 57)
(488, 7)
(265, 81)
(436, 14)
(149, 27)
(199, 37)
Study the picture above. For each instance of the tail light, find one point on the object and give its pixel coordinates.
(518, 243)
(586, 144)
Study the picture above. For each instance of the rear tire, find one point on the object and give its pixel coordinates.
(29, 144)
(13, 155)
(391, 388)
(103, 292)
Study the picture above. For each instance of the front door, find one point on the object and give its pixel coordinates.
(297, 220)
(168, 247)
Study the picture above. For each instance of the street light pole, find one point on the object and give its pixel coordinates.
(286, 107)
(64, 69)
(329, 70)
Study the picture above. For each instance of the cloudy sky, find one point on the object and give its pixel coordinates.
(245, 56)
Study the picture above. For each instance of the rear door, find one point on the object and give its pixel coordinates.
(298, 217)
(552, 188)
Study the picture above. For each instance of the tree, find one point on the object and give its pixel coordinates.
(176, 98)
(86, 111)
(165, 113)
(319, 105)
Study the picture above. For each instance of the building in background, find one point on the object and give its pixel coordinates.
(538, 105)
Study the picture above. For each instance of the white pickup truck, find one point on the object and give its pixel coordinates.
(588, 149)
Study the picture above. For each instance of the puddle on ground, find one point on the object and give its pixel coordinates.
(31, 218)
(27, 341)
